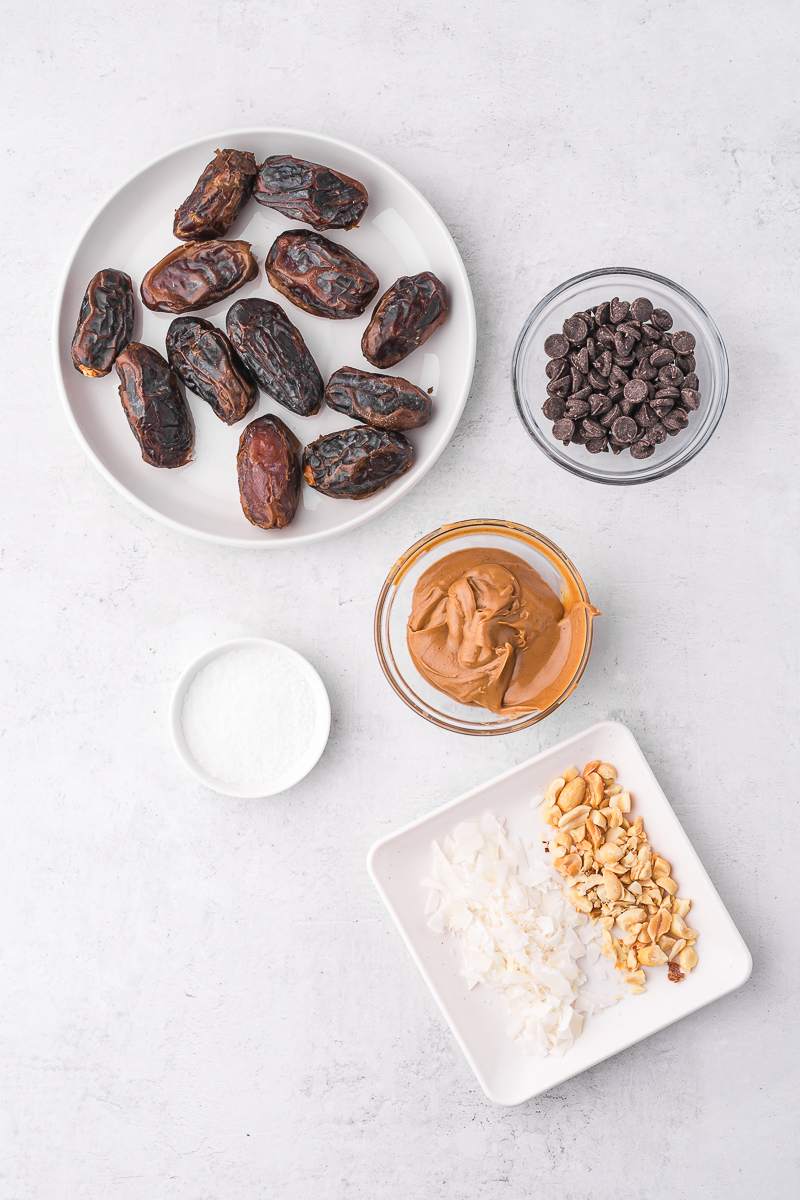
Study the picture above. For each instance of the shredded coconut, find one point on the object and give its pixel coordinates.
(248, 716)
(519, 936)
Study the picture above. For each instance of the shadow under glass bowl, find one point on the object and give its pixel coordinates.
(530, 381)
(394, 607)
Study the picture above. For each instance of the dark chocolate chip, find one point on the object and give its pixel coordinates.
(651, 334)
(663, 392)
(559, 387)
(691, 381)
(597, 445)
(591, 349)
(686, 362)
(553, 408)
(578, 380)
(601, 313)
(556, 368)
(564, 429)
(675, 420)
(661, 318)
(642, 309)
(646, 416)
(671, 376)
(624, 344)
(602, 364)
(579, 437)
(596, 379)
(577, 409)
(592, 429)
(630, 329)
(617, 447)
(624, 360)
(610, 417)
(599, 404)
(556, 346)
(642, 450)
(576, 330)
(662, 357)
(624, 429)
(618, 376)
(582, 393)
(580, 360)
(644, 371)
(656, 434)
(635, 390)
(683, 342)
(690, 398)
(619, 310)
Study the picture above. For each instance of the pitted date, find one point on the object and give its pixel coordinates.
(198, 274)
(274, 352)
(209, 366)
(319, 276)
(105, 323)
(384, 401)
(217, 198)
(268, 463)
(307, 192)
(404, 318)
(156, 411)
(357, 462)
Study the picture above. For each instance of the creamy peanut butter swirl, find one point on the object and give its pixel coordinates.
(487, 630)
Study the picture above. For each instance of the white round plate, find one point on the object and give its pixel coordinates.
(400, 234)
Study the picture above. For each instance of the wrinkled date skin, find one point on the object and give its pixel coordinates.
(218, 197)
(105, 323)
(209, 366)
(269, 473)
(307, 192)
(156, 411)
(384, 401)
(276, 355)
(198, 274)
(356, 463)
(319, 276)
(404, 318)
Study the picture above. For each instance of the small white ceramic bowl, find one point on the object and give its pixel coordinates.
(299, 769)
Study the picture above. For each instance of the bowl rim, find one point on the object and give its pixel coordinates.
(305, 764)
(407, 559)
(586, 472)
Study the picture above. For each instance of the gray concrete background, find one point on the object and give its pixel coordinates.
(203, 998)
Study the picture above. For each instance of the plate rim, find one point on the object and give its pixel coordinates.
(393, 494)
(497, 1098)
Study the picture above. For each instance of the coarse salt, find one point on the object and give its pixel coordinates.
(248, 716)
(519, 936)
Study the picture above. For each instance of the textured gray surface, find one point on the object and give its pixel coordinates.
(203, 998)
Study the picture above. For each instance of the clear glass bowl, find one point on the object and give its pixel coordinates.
(394, 607)
(530, 381)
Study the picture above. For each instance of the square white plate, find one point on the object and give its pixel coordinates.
(479, 1018)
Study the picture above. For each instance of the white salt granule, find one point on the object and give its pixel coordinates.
(248, 716)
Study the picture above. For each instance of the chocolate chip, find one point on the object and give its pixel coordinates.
(666, 393)
(581, 394)
(610, 417)
(579, 437)
(624, 360)
(597, 445)
(578, 380)
(671, 376)
(601, 313)
(553, 408)
(682, 342)
(624, 344)
(580, 360)
(630, 329)
(662, 407)
(616, 447)
(599, 404)
(603, 364)
(556, 368)
(675, 420)
(577, 409)
(592, 429)
(618, 376)
(691, 381)
(576, 329)
(627, 407)
(560, 386)
(556, 346)
(591, 349)
(596, 379)
(656, 434)
(644, 371)
(642, 450)
(620, 310)
(564, 429)
(605, 336)
(624, 429)
(690, 398)
(686, 362)
(642, 309)
(661, 318)
(646, 416)
(652, 335)
(636, 390)
(662, 357)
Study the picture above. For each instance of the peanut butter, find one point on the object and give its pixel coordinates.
(487, 630)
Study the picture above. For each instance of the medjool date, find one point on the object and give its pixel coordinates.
(198, 274)
(319, 276)
(218, 197)
(308, 192)
(208, 364)
(384, 401)
(105, 323)
(156, 411)
(276, 355)
(357, 462)
(404, 318)
(269, 472)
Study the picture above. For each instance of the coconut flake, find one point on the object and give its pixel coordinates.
(518, 935)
